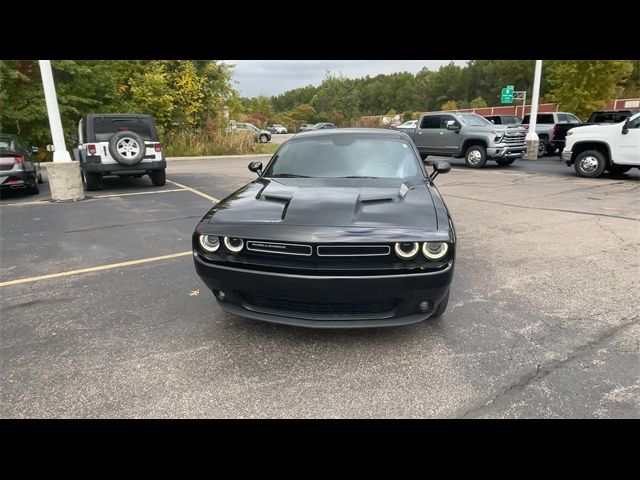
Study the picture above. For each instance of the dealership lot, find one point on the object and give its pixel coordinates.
(543, 319)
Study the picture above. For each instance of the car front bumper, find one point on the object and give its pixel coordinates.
(506, 152)
(326, 301)
(118, 169)
(566, 156)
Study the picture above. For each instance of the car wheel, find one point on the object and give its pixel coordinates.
(590, 164)
(618, 169)
(551, 149)
(158, 177)
(442, 306)
(542, 147)
(127, 147)
(32, 186)
(263, 139)
(504, 162)
(92, 180)
(40, 181)
(475, 156)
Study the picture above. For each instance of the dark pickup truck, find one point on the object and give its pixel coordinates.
(611, 116)
(552, 130)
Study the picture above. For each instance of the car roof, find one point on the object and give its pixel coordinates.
(379, 132)
(118, 115)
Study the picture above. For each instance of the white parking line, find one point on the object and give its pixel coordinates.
(93, 269)
(96, 197)
(197, 192)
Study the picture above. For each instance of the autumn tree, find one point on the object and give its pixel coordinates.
(581, 86)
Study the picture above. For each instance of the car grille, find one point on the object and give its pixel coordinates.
(297, 308)
(353, 250)
(515, 139)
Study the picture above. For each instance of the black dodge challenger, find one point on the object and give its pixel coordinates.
(343, 228)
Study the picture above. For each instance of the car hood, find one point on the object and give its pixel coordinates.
(365, 203)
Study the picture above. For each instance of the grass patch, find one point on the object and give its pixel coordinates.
(188, 144)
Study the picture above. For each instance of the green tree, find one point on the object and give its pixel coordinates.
(450, 105)
(478, 102)
(581, 86)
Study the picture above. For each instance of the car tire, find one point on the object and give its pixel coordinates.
(158, 177)
(475, 156)
(590, 164)
(92, 180)
(542, 147)
(442, 306)
(40, 180)
(618, 169)
(551, 149)
(263, 139)
(32, 186)
(505, 162)
(127, 148)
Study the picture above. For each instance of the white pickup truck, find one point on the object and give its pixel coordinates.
(614, 147)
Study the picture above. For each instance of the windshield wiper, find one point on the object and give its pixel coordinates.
(359, 176)
(288, 175)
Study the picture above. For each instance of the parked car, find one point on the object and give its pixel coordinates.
(259, 135)
(592, 149)
(409, 124)
(121, 144)
(394, 125)
(611, 116)
(19, 165)
(277, 128)
(504, 119)
(305, 126)
(552, 129)
(323, 125)
(324, 239)
(470, 136)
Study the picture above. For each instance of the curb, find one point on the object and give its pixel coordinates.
(207, 157)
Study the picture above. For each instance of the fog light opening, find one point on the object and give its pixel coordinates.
(220, 295)
(424, 306)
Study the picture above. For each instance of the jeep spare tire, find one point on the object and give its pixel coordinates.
(127, 148)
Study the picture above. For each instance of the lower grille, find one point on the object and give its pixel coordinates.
(325, 311)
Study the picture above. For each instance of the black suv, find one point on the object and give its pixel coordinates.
(125, 145)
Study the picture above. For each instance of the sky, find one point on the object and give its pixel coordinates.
(273, 77)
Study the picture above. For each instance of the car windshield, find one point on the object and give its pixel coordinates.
(318, 125)
(473, 120)
(345, 157)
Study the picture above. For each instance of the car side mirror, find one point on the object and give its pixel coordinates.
(452, 125)
(35, 149)
(625, 127)
(440, 167)
(256, 167)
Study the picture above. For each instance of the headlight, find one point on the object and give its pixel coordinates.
(407, 250)
(209, 243)
(499, 135)
(233, 244)
(435, 250)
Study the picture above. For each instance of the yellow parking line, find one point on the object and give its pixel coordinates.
(47, 202)
(197, 192)
(93, 269)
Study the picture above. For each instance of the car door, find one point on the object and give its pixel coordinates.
(426, 133)
(448, 141)
(627, 150)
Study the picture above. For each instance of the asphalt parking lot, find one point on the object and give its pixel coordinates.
(543, 319)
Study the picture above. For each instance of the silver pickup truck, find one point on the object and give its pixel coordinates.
(458, 134)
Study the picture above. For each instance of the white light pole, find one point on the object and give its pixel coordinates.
(532, 139)
(64, 174)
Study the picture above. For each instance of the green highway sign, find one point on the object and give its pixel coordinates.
(507, 94)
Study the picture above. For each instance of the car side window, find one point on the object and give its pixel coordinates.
(573, 118)
(562, 118)
(445, 119)
(635, 123)
(432, 121)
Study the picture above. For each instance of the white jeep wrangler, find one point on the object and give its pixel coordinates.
(125, 145)
(596, 148)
